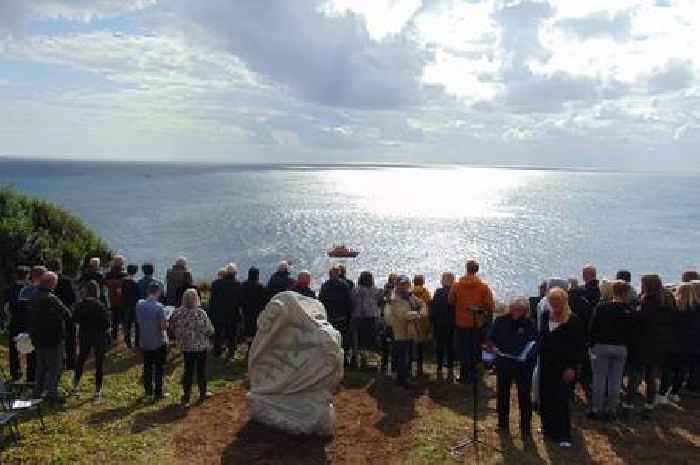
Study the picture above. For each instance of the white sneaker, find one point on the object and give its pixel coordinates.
(565, 444)
(98, 397)
(76, 389)
(675, 398)
(661, 399)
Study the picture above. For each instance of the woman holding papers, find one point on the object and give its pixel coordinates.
(561, 347)
(512, 339)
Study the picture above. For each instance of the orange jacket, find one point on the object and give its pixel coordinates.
(468, 292)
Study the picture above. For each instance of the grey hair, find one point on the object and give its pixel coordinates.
(95, 261)
(520, 301)
(190, 298)
(283, 266)
(181, 261)
(231, 268)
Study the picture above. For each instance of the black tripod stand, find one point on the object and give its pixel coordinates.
(474, 441)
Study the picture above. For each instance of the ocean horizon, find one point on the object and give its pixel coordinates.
(522, 223)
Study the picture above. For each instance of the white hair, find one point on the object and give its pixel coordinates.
(190, 298)
(181, 261)
(522, 302)
(283, 266)
(95, 262)
(231, 268)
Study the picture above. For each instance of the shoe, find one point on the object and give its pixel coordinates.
(565, 444)
(98, 397)
(661, 399)
(627, 406)
(205, 396)
(675, 398)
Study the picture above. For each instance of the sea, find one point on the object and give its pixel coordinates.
(521, 224)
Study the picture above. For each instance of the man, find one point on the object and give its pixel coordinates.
(474, 306)
(509, 336)
(343, 275)
(48, 331)
(149, 270)
(626, 276)
(19, 318)
(303, 285)
(153, 339)
(336, 298)
(92, 273)
(113, 281)
(253, 300)
(65, 291)
(225, 310)
(34, 281)
(25, 309)
(280, 281)
(130, 297)
(442, 316)
(405, 311)
(591, 290)
(690, 275)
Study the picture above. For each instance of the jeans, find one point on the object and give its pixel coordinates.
(675, 370)
(608, 365)
(444, 346)
(555, 395)
(49, 366)
(195, 362)
(402, 355)
(508, 371)
(88, 344)
(154, 369)
(650, 373)
(469, 352)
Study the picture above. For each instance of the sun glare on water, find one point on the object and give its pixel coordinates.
(452, 192)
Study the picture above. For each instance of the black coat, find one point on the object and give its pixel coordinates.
(254, 297)
(686, 329)
(49, 318)
(280, 281)
(305, 291)
(582, 307)
(65, 291)
(93, 318)
(19, 310)
(336, 298)
(611, 324)
(654, 337)
(564, 347)
(442, 314)
(511, 336)
(226, 301)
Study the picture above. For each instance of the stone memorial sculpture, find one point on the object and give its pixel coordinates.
(295, 364)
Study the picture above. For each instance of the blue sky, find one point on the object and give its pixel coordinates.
(527, 82)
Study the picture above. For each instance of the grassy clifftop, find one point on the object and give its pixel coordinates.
(33, 231)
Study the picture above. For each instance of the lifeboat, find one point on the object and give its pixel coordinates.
(341, 251)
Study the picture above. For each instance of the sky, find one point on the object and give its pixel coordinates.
(595, 83)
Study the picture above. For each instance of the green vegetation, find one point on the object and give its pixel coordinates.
(34, 231)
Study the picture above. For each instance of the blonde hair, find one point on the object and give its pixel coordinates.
(606, 290)
(684, 296)
(522, 302)
(559, 293)
(190, 298)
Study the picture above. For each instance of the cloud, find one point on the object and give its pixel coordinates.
(327, 59)
(673, 76)
(599, 24)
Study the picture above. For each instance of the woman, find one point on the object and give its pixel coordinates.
(386, 334)
(653, 339)
(193, 331)
(366, 301)
(442, 316)
(423, 328)
(610, 331)
(606, 290)
(509, 335)
(694, 352)
(561, 348)
(405, 309)
(92, 318)
(686, 335)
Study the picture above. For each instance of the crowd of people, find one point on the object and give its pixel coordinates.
(603, 335)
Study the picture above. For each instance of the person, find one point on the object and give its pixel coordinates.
(474, 305)
(18, 320)
(35, 275)
(192, 330)
(65, 291)
(113, 281)
(405, 310)
(225, 310)
(366, 302)
(442, 316)
(148, 269)
(590, 288)
(93, 320)
(130, 297)
(549, 284)
(344, 276)
(561, 347)
(253, 300)
(335, 297)
(510, 335)
(609, 335)
(153, 339)
(652, 340)
(187, 283)
(303, 285)
(280, 280)
(92, 273)
(626, 276)
(423, 326)
(177, 278)
(49, 318)
(690, 276)
(535, 300)
(686, 334)
(386, 334)
(693, 352)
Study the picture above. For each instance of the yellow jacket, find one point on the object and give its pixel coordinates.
(424, 328)
(404, 316)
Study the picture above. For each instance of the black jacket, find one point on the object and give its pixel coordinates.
(336, 298)
(442, 314)
(564, 347)
(686, 331)
(591, 291)
(582, 307)
(254, 297)
(226, 300)
(49, 318)
(130, 295)
(611, 324)
(305, 291)
(65, 291)
(653, 339)
(280, 281)
(93, 318)
(19, 311)
(510, 335)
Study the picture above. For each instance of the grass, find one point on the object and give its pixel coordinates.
(377, 424)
